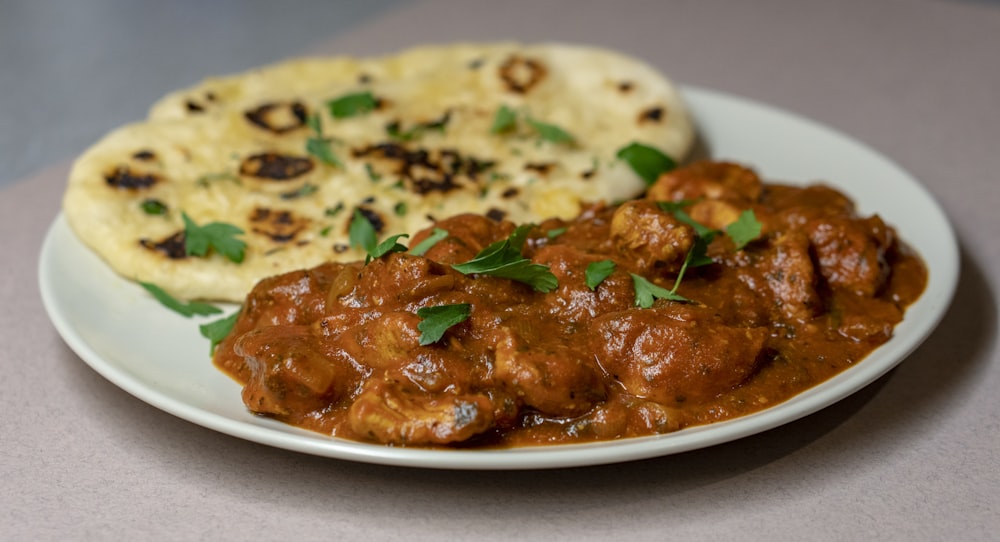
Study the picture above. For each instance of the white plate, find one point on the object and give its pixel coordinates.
(159, 357)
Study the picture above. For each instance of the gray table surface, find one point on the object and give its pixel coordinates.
(912, 457)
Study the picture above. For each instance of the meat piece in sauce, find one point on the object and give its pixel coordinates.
(673, 354)
(648, 238)
(851, 253)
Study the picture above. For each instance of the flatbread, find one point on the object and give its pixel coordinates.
(234, 150)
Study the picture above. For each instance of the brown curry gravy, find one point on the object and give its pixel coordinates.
(335, 348)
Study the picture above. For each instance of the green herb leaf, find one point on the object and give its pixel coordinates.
(390, 244)
(361, 233)
(335, 210)
(647, 162)
(153, 207)
(436, 320)
(184, 309)
(504, 259)
(400, 208)
(318, 145)
(597, 272)
(437, 235)
(504, 120)
(351, 105)
(646, 292)
(217, 330)
(214, 235)
(550, 132)
(555, 232)
(207, 178)
(372, 176)
(303, 190)
(745, 229)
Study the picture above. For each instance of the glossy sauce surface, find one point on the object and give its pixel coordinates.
(336, 348)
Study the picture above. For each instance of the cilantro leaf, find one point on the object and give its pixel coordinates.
(647, 162)
(437, 235)
(361, 233)
(390, 244)
(550, 132)
(214, 235)
(646, 292)
(745, 229)
(504, 120)
(184, 309)
(318, 145)
(350, 105)
(504, 259)
(153, 207)
(555, 232)
(437, 319)
(301, 191)
(217, 330)
(598, 271)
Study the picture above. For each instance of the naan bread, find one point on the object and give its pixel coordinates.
(234, 150)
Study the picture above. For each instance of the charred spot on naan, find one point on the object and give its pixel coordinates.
(278, 117)
(520, 74)
(425, 171)
(125, 177)
(374, 217)
(279, 225)
(654, 114)
(273, 166)
(173, 247)
(194, 106)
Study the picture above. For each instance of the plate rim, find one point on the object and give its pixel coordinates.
(275, 434)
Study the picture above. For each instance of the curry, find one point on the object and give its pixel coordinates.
(651, 319)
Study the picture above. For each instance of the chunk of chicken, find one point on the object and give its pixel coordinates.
(709, 180)
(394, 413)
(791, 275)
(672, 354)
(852, 252)
(557, 381)
(649, 237)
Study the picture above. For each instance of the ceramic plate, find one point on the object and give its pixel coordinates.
(160, 357)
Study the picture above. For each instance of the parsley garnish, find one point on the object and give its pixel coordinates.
(555, 232)
(209, 177)
(214, 235)
(184, 309)
(303, 190)
(394, 130)
(153, 207)
(319, 146)
(362, 235)
(504, 259)
(372, 176)
(436, 320)
(550, 132)
(597, 272)
(335, 210)
(646, 292)
(646, 161)
(390, 244)
(504, 120)
(400, 208)
(217, 330)
(351, 105)
(437, 235)
(745, 229)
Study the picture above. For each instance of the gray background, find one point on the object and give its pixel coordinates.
(911, 457)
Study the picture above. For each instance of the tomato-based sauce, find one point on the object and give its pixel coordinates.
(338, 348)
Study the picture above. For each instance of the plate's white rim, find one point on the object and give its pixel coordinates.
(936, 298)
